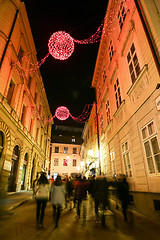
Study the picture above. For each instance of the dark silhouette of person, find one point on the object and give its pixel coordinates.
(123, 195)
(100, 194)
(69, 189)
(58, 192)
(42, 196)
(80, 193)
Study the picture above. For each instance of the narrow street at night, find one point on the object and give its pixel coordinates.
(20, 224)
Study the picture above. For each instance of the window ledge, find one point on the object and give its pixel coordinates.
(119, 109)
(144, 69)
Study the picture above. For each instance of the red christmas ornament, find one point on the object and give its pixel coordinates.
(61, 45)
(62, 113)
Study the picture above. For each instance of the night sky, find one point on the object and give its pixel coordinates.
(68, 82)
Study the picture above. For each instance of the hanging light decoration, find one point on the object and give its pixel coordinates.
(61, 45)
(62, 113)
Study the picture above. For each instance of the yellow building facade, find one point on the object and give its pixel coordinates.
(24, 110)
(126, 80)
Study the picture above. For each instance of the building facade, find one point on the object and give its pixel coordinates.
(65, 158)
(126, 79)
(25, 132)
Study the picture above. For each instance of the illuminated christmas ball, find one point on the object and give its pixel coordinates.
(62, 113)
(61, 45)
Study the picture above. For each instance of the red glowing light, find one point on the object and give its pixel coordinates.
(62, 113)
(61, 45)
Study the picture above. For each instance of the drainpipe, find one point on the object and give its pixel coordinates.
(150, 38)
(9, 38)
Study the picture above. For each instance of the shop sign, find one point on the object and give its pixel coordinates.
(7, 165)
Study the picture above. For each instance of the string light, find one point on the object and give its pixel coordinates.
(61, 44)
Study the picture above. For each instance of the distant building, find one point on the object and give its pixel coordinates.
(25, 132)
(65, 151)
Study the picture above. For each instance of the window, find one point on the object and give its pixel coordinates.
(74, 150)
(108, 112)
(151, 147)
(117, 93)
(111, 50)
(35, 97)
(10, 91)
(121, 15)
(29, 82)
(133, 63)
(65, 163)
(99, 91)
(56, 161)
(65, 149)
(101, 121)
(56, 149)
(23, 117)
(126, 159)
(37, 134)
(74, 162)
(73, 139)
(20, 54)
(113, 167)
(104, 76)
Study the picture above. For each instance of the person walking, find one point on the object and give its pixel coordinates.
(58, 192)
(100, 194)
(42, 196)
(81, 195)
(123, 195)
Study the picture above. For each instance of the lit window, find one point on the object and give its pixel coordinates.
(65, 149)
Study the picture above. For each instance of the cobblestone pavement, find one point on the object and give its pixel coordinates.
(20, 224)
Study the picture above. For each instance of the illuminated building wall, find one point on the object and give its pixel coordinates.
(24, 109)
(65, 159)
(65, 150)
(126, 75)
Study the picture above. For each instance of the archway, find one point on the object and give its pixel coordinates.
(14, 169)
(24, 171)
(1, 143)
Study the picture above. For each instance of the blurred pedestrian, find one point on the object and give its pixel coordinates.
(123, 194)
(58, 193)
(69, 189)
(42, 196)
(81, 188)
(100, 194)
(35, 185)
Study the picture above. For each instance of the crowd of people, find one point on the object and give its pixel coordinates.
(72, 193)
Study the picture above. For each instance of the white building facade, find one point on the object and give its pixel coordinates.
(65, 159)
(126, 79)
